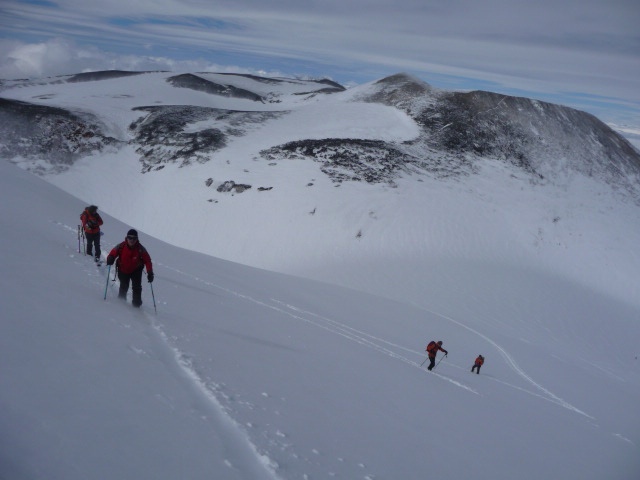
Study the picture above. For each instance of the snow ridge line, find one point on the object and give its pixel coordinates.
(515, 367)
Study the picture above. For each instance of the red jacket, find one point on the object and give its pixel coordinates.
(90, 221)
(131, 258)
(480, 360)
(433, 348)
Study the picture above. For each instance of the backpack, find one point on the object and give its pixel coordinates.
(432, 345)
(86, 216)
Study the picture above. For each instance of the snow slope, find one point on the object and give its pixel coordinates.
(249, 374)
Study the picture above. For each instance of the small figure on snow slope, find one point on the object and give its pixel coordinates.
(478, 364)
(91, 222)
(432, 350)
(132, 259)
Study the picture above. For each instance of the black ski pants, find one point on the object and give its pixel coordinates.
(476, 366)
(432, 362)
(93, 242)
(135, 279)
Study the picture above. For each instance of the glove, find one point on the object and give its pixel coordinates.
(110, 260)
(150, 277)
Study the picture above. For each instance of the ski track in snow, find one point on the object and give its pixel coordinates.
(516, 368)
(182, 364)
(360, 337)
(236, 432)
(370, 341)
(328, 325)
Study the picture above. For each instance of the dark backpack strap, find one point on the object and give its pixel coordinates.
(141, 251)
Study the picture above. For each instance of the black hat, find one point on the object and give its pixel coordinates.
(132, 233)
(92, 208)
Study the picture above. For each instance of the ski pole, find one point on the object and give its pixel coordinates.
(439, 362)
(154, 298)
(78, 238)
(425, 360)
(107, 285)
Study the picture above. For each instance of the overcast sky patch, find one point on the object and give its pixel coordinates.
(542, 49)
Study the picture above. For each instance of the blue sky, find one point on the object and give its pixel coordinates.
(581, 53)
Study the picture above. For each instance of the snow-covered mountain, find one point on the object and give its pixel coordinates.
(358, 187)
(248, 374)
(167, 125)
(499, 224)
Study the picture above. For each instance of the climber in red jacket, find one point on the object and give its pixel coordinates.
(432, 350)
(132, 259)
(479, 362)
(91, 222)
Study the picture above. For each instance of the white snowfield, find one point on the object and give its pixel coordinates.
(247, 373)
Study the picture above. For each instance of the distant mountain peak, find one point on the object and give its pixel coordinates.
(101, 75)
(453, 133)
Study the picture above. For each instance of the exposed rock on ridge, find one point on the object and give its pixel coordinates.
(53, 135)
(162, 138)
(194, 82)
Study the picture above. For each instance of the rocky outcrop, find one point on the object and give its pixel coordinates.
(54, 136)
(371, 161)
(231, 186)
(163, 135)
(188, 80)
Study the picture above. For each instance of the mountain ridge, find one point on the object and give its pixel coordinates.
(457, 128)
(352, 170)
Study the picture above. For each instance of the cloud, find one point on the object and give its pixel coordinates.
(33, 59)
(63, 57)
(545, 47)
